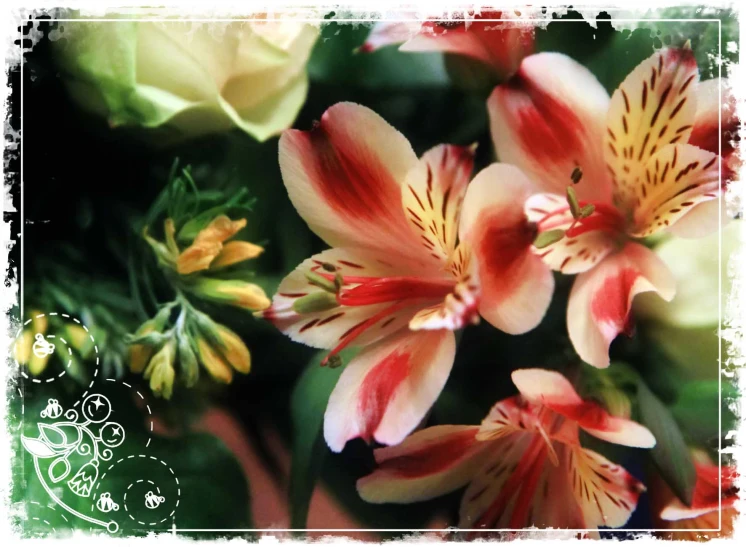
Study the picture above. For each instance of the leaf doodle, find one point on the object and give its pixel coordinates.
(37, 447)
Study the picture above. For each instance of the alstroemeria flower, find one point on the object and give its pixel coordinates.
(714, 490)
(638, 174)
(499, 44)
(412, 252)
(524, 466)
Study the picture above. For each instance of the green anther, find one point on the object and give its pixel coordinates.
(576, 175)
(321, 281)
(572, 200)
(317, 301)
(587, 210)
(334, 361)
(544, 239)
(329, 267)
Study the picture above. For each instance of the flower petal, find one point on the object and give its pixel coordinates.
(554, 391)
(600, 299)
(714, 486)
(326, 329)
(344, 178)
(433, 195)
(676, 179)
(429, 463)
(460, 306)
(549, 119)
(588, 240)
(388, 388)
(654, 106)
(606, 492)
(388, 33)
(715, 126)
(516, 286)
(499, 44)
(488, 489)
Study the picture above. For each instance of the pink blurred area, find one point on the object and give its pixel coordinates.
(268, 491)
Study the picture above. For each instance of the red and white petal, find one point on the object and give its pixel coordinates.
(705, 218)
(429, 463)
(326, 329)
(600, 300)
(549, 119)
(586, 243)
(388, 33)
(344, 178)
(654, 106)
(553, 504)
(714, 486)
(432, 198)
(511, 415)
(606, 492)
(499, 44)
(715, 122)
(387, 389)
(516, 286)
(487, 500)
(460, 307)
(676, 179)
(554, 391)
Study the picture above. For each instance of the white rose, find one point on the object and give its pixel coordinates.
(190, 77)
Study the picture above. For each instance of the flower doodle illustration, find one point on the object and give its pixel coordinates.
(87, 433)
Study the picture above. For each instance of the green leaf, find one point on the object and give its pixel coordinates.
(307, 406)
(697, 410)
(670, 454)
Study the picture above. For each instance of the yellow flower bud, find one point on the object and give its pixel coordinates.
(234, 350)
(23, 347)
(197, 257)
(208, 244)
(237, 293)
(234, 252)
(213, 362)
(140, 353)
(36, 365)
(77, 337)
(160, 370)
(39, 324)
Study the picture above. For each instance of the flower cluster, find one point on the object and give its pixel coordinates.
(604, 187)
(209, 266)
(420, 248)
